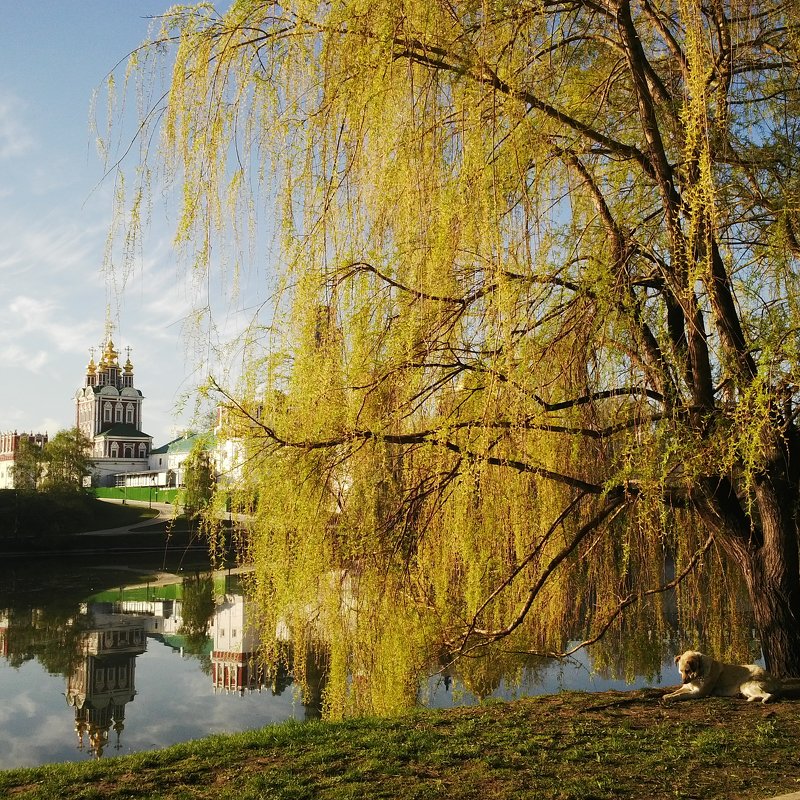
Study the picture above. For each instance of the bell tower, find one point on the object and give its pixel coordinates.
(108, 411)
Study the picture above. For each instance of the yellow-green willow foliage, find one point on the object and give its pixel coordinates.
(527, 357)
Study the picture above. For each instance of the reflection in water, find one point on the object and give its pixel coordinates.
(95, 647)
(102, 683)
(235, 666)
(235, 663)
(146, 666)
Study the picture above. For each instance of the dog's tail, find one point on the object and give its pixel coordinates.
(789, 688)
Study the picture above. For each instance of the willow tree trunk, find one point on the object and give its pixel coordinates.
(773, 574)
(775, 598)
(767, 555)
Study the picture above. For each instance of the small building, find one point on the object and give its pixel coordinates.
(165, 464)
(167, 460)
(229, 451)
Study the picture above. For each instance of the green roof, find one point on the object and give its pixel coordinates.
(123, 431)
(183, 444)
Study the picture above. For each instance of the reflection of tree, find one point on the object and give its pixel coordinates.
(51, 636)
(281, 671)
(482, 676)
(631, 649)
(202, 658)
(196, 610)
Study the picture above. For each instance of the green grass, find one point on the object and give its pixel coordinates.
(172, 591)
(567, 747)
(116, 515)
(34, 519)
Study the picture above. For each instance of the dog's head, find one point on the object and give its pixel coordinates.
(690, 665)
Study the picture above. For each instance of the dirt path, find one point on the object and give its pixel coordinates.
(165, 512)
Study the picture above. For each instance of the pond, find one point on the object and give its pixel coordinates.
(88, 674)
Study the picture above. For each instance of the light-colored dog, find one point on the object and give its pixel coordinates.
(703, 676)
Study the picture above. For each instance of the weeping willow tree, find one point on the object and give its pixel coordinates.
(533, 354)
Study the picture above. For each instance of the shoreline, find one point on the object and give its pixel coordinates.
(567, 746)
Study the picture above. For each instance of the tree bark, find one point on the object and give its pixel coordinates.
(774, 590)
(767, 554)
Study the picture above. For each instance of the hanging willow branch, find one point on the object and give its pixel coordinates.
(630, 599)
(523, 255)
(612, 507)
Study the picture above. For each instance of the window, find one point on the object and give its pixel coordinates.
(107, 412)
(114, 449)
(118, 413)
(142, 449)
(129, 414)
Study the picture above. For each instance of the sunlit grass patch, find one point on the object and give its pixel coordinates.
(566, 746)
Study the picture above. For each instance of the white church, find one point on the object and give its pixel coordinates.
(108, 411)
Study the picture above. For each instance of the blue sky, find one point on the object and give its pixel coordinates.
(55, 215)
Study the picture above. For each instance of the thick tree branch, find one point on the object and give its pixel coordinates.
(611, 508)
(628, 600)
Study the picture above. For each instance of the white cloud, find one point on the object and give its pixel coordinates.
(13, 355)
(14, 137)
(49, 244)
(30, 323)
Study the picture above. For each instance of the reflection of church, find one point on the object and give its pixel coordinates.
(102, 683)
(234, 664)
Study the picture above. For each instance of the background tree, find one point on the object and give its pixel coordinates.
(198, 478)
(197, 608)
(68, 462)
(28, 465)
(538, 316)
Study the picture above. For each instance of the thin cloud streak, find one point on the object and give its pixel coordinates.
(15, 140)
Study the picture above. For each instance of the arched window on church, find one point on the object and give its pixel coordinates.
(118, 413)
(128, 451)
(106, 412)
(114, 449)
(142, 449)
(129, 414)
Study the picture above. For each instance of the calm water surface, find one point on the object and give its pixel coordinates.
(118, 673)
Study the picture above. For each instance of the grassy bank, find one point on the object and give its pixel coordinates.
(570, 745)
(31, 517)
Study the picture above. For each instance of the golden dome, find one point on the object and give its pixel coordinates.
(110, 355)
